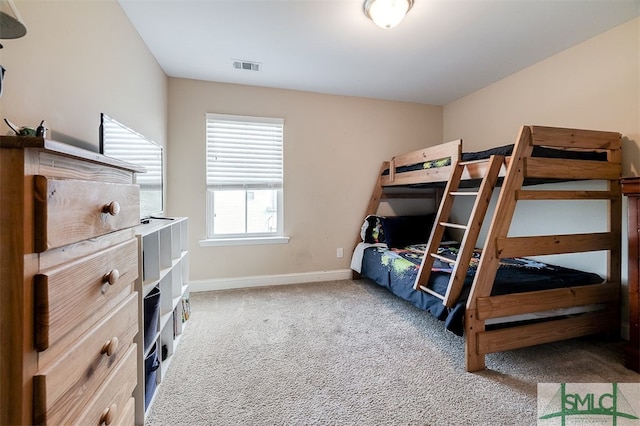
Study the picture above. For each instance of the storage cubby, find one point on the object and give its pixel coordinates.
(163, 294)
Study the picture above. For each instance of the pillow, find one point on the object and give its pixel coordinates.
(402, 231)
(372, 231)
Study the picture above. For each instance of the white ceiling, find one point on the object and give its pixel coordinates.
(443, 50)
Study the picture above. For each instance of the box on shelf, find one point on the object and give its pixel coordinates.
(151, 314)
(186, 309)
(151, 365)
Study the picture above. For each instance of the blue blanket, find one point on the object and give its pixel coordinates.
(396, 270)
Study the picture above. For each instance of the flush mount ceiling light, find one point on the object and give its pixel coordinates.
(387, 13)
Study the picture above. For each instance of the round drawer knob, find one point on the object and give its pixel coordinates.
(109, 414)
(110, 347)
(112, 277)
(113, 208)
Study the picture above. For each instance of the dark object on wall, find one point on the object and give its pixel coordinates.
(11, 26)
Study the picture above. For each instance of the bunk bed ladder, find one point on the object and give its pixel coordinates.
(490, 174)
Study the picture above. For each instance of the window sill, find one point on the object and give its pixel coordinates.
(215, 242)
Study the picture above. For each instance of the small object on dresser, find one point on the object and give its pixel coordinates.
(41, 131)
(20, 131)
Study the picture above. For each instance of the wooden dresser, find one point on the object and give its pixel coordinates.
(68, 262)
(631, 188)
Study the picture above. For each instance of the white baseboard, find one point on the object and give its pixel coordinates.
(268, 280)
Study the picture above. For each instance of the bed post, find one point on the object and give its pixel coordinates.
(614, 265)
(372, 208)
(489, 260)
(374, 202)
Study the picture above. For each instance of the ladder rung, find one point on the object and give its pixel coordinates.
(482, 160)
(453, 225)
(431, 292)
(464, 193)
(444, 259)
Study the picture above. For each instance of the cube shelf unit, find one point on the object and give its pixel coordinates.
(163, 265)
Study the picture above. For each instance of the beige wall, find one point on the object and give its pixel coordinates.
(594, 85)
(77, 60)
(333, 148)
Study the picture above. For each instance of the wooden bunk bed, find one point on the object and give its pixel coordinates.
(444, 166)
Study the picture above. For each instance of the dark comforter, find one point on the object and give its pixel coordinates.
(396, 270)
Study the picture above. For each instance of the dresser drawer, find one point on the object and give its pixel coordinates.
(128, 415)
(68, 211)
(112, 400)
(67, 295)
(74, 378)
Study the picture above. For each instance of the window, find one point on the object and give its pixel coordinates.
(244, 177)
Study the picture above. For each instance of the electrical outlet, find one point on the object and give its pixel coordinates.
(339, 252)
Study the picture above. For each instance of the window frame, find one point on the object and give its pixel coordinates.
(247, 237)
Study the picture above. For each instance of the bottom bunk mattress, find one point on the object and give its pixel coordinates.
(396, 270)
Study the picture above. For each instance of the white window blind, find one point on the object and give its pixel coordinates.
(244, 152)
(244, 177)
(127, 145)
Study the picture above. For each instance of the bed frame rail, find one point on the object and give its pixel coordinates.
(546, 300)
(556, 244)
(564, 138)
(551, 168)
(449, 150)
(546, 332)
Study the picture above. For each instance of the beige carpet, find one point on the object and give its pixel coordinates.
(350, 353)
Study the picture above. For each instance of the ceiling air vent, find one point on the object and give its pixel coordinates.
(246, 65)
